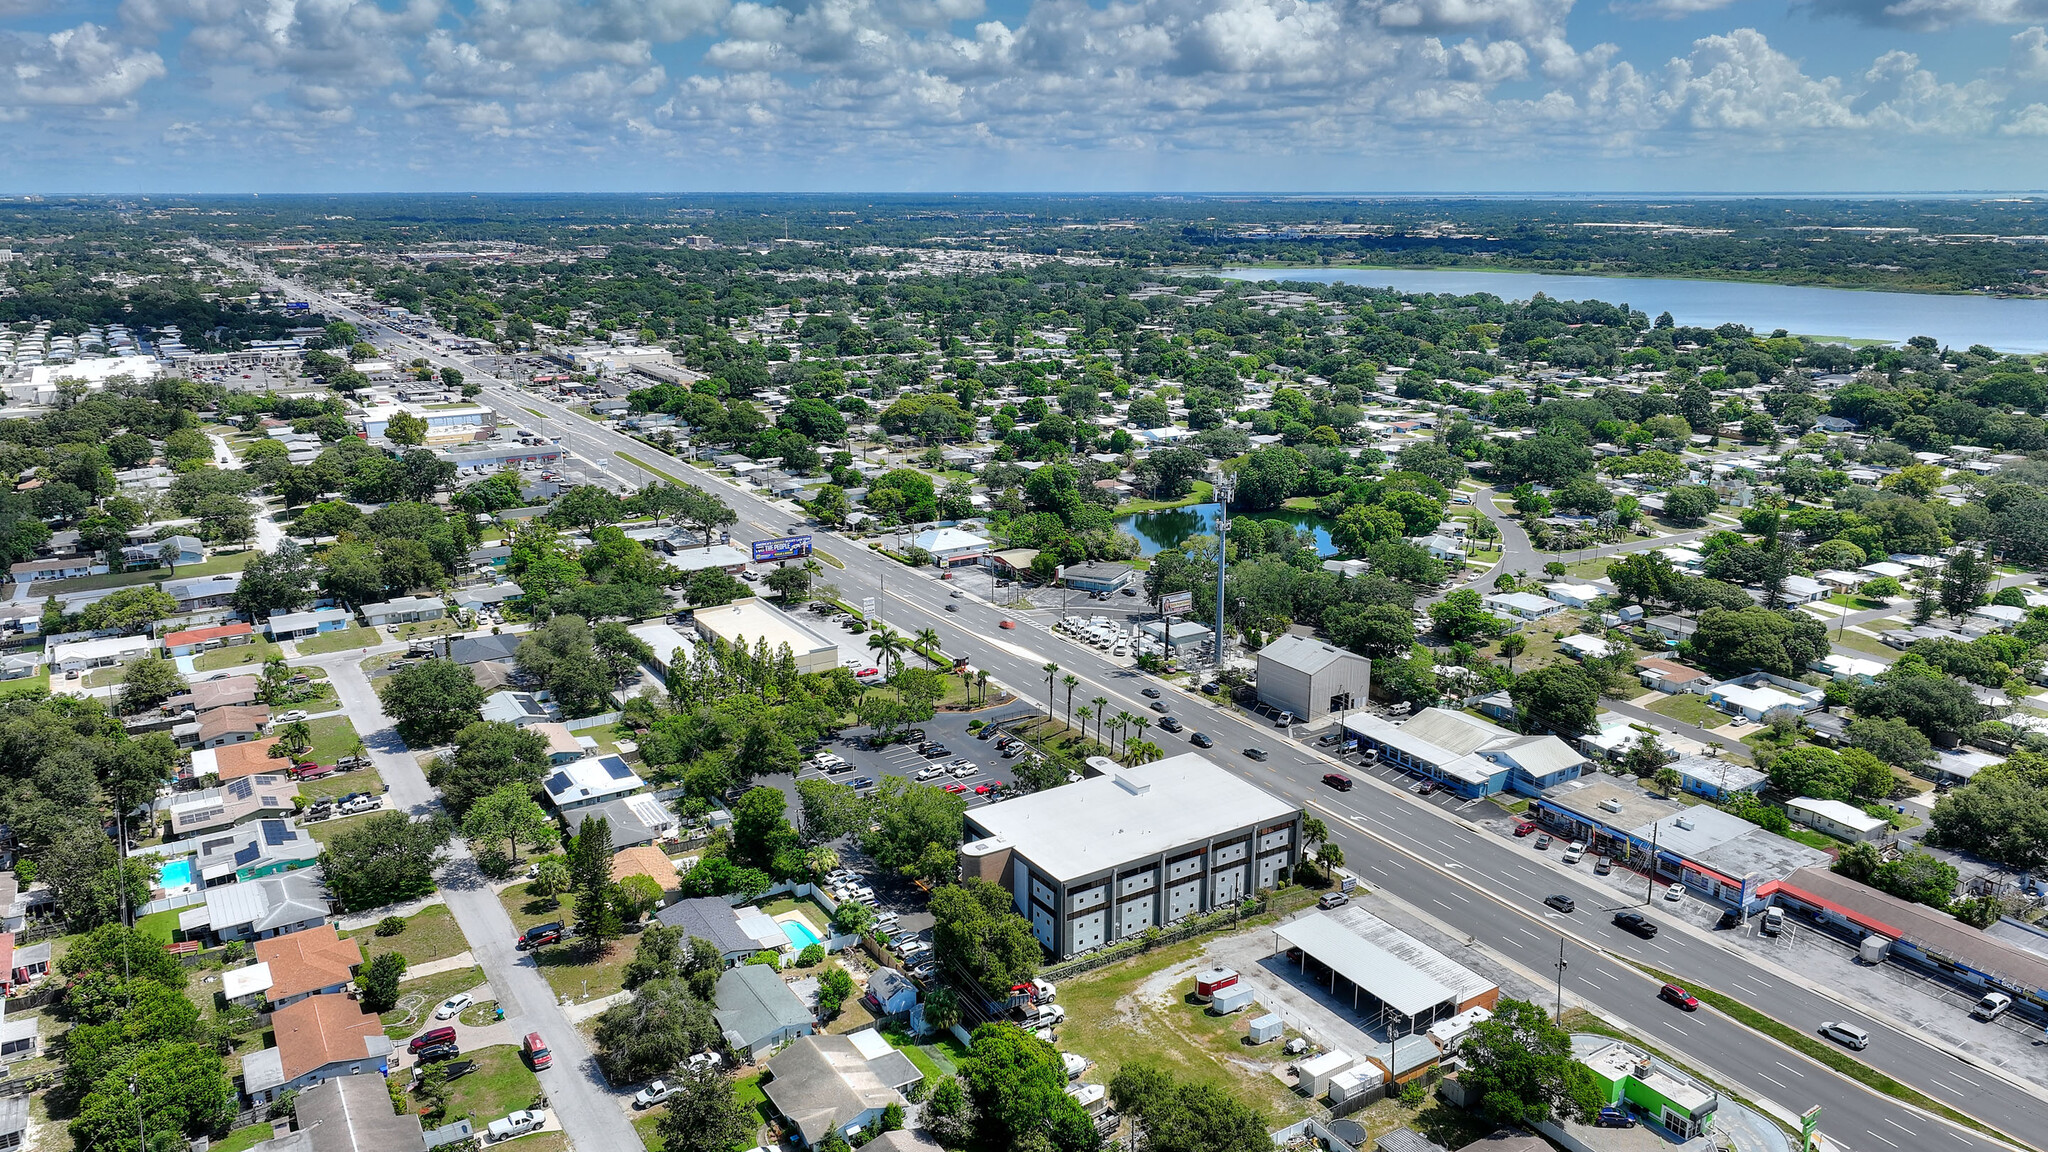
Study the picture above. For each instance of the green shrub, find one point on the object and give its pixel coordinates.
(391, 926)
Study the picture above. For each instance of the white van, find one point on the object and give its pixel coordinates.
(1844, 1033)
(1992, 1006)
(1774, 920)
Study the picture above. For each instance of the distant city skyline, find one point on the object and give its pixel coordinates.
(1418, 97)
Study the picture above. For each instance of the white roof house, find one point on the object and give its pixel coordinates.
(591, 780)
(1521, 605)
(78, 655)
(950, 544)
(1572, 595)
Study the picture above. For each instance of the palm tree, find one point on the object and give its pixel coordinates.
(1070, 682)
(1123, 720)
(1142, 752)
(1087, 714)
(1511, 646)
(1101, 712)
(295, 738)
(928, 638)
(1668, 779)
(1140, 723)
(1051, 671)
(981, 678)
(888, 643)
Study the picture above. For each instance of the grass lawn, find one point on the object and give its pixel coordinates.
(417, 1000)
(341, 784)
(1869, 645)
(328, 829)
(353, 636)
(1109, 1022)
(810, 908)
(499, 1084)
(1687, 708)
(211, 566)
(106, 677)
(333, 738)
(252, 656)
(1812, 839)
(423, 628)
(163, 925)
(1856, 603)
(1597, 566)
(570, 969)
(40, 682)
(430, 934)
(1202, 493)
(242, 1139)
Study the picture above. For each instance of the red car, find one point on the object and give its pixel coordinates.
(956, 788)
(1007, 624)
(1525, 827)
(1337, 780)
(1672, 993)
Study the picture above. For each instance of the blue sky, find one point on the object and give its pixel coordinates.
(1023, 95)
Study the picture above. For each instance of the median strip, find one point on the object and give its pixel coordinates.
(1816, 1050)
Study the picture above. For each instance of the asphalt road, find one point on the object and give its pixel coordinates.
(1473, 880)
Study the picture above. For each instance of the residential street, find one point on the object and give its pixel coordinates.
(589, 1109)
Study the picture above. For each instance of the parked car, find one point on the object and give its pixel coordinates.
(1337, 780)
(1602, 865)
(1673, 994)
(956, 787)
(653, 1094)
(1201, 740)
(1561, 902)
(962, 772)
(1992, 1006)
(1426, 788)
(540, 934)
(1637, 923)
(986, 788)
(1675, 893)
(453, 1005)
(291, 717)
(1543, 842)
(536, 1051)
(1575, 852)
(1774, 920)
(930, 772)
(438, 1052)
(1333, 900)
(863, 783)
(516, 1124)
(1525, 827)
(1844, 1033)
(429, 1038)
(362, 803)
(1614, 1118)
(1729, 919)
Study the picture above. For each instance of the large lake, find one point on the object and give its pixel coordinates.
(1956, 321)
(1166, 529)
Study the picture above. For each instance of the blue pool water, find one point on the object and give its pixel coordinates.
(799, 933)
(176, 874)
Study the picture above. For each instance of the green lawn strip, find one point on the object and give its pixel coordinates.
(499, 1084)
(644, 1123)
(242, 1139)
(1687, 708)
(639, 463)
(252, 656)
(1581, 1020)
(163, 925)
(430, 934)
(211, 566)
(1203, 493)
(1821, 1051)
(26, 686)
(417, 1000)
(353, 636)
(106, 677)
(919, 1058)
(1870, 645)
(341, 784)
(544, 416)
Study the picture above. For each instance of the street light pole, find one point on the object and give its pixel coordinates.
(1561, 965)
(1224, 489)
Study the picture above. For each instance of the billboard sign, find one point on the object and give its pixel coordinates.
(782, 548)
(1176, 603)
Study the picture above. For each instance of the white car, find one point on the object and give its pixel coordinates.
(291, 717)
(453, 1005)
(1675, 892)
(963, 772)
(360, 804)
(930, 773)
(1575, 853)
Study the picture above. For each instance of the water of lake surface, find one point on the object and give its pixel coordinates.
(1166, 529)
(1956, 321)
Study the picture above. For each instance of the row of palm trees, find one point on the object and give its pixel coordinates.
(1138, 751)
(889, 646)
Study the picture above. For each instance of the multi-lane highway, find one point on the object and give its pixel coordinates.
(1471, 879)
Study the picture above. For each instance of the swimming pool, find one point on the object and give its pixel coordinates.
(176, 874)
(799, 933)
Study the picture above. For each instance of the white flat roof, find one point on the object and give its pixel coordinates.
(1096, 824)
(238, 982)
(1404, 988)
(757, 621)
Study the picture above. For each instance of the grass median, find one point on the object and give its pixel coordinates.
(1822, 1052)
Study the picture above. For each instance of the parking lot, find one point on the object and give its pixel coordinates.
(903, 760)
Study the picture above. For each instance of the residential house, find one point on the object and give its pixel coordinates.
(253, 851)
(319, 1038)
(1671, 677)
(1584, 647)
(102, 652)
(827, 1084)
(1449, 549)
(736, 935)
(890, 993)
(405, 610)
(232, 725)
(22, 966)
(235, 761)
(562, 743)
(1838, 819)
(644, 860)
(235, 802)
(292, 625)
(1672, 629)
(314, 962)
(173, 551)
(636, 819)
(1521, 605)
(1854, 669)
(1573, 595)
(225, 692)
(352, 1114)
(2003, 617)
(520, 709)
(1716, 778)
(192, 641)
(1759, 694)
(757, 1012)
(13, 1121)
(31, 571)
(259, 909)
(476, 649)
(487, 596)
(583, 783)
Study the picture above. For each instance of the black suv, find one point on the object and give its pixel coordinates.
(540, 934)
(1169, 724)
(1637, 923)
(434, 1053)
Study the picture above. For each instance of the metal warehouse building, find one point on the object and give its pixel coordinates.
(1312, 679)
(1103, 859)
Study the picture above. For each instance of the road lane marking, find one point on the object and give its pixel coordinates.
(1788, 1068)
(1899, 1126)
(1442, 905)
(1875, 1136)
(1772, 1079)
(1744, 987)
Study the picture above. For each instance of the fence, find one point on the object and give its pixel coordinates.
(167, 903)
(597, 721)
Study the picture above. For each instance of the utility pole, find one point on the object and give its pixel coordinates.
(1650, 893)
(1561, 965)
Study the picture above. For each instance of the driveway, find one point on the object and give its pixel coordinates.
(577, 1091)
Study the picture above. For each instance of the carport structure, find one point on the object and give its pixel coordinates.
(1388, 974)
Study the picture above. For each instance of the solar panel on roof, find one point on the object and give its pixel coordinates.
(240, 789)
(558, 783)
(276, 832)
(615, 767)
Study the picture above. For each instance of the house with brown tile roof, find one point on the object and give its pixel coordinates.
(224, 692)
(647, 861)
(234, 802)
(234, 761)
(1671, 676)
(319, 1038)
(195, 640)
(232, 725)
(314, 962)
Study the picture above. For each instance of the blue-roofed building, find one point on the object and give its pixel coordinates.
(592, 780)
